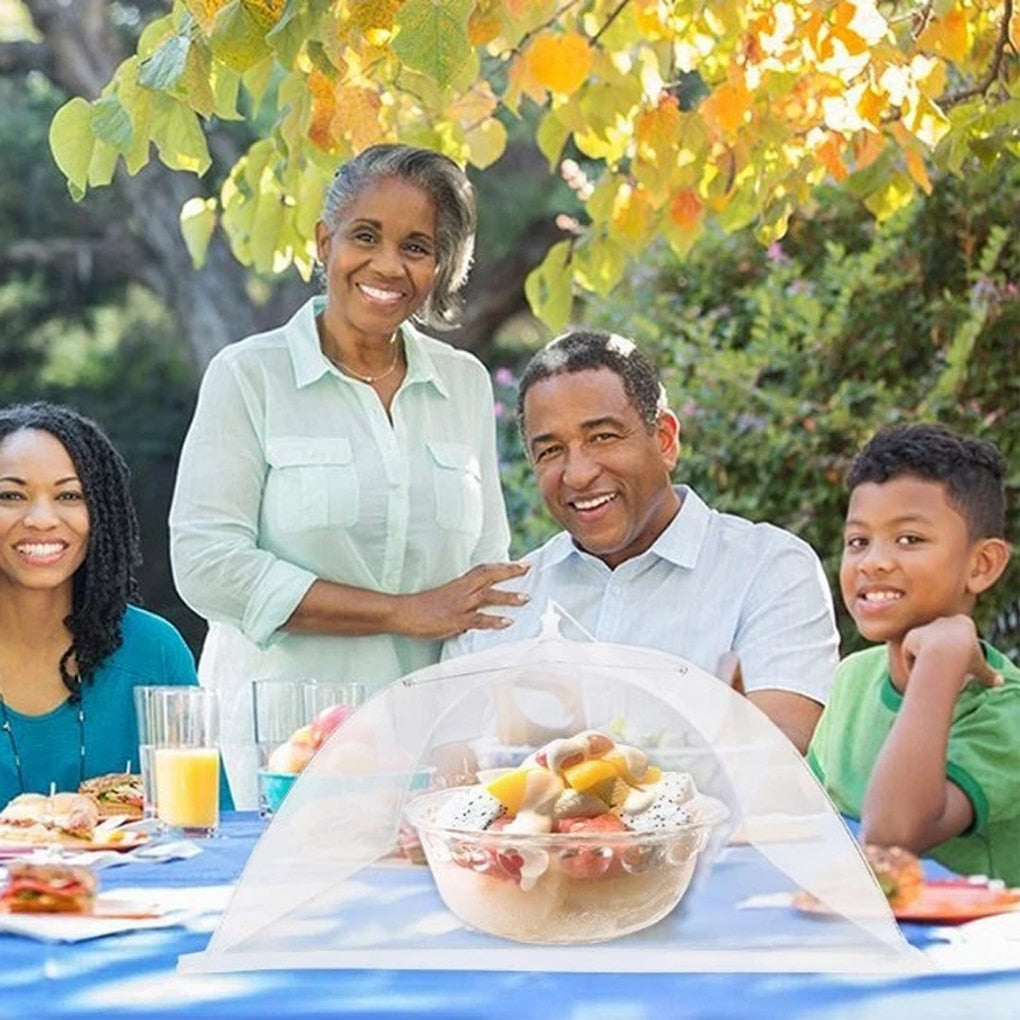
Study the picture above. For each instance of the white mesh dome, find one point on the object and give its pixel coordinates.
(323, 888)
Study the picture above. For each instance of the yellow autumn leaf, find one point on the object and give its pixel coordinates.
(658, 129)
(205, 11)
(830, 155)
(890, 197)
(560, 62)
(870, 107)
(947, 35)
(727, 107)
(320, 128)
(357, 116)
(868, 146)
(266, 12)
(483, 26)
(632, 217)
(686, 210)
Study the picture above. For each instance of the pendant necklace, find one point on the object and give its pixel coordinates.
(5, 725)
(367, 378)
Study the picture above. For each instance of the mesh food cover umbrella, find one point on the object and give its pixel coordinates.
(326, 887)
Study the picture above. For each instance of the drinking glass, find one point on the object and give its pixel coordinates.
(186, 758)
(144, 713)
(292, 719)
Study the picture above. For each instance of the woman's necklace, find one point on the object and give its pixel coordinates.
(5, 725)
(367, 378)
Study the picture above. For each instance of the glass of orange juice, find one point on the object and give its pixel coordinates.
(186, 759)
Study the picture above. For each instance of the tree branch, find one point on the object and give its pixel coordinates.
(23, 56)
(955, 98)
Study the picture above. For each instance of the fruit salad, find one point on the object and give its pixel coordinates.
(585, 840)
(296, 751)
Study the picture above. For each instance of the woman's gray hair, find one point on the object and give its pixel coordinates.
(447, 184)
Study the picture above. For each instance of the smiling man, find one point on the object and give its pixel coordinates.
(644, 562)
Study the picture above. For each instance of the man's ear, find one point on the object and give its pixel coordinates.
(988, 560)
(321, 242)
(667, 434)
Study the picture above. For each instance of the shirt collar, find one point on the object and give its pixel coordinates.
(679, 543)
(310, 364)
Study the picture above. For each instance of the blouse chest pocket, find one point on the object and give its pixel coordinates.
(312, 483)
(458, 487)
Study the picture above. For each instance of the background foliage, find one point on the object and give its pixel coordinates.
(781, 362)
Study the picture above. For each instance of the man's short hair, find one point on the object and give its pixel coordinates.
(581, 350)
(972, 470)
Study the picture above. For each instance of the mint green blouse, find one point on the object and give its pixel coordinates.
(293, 471)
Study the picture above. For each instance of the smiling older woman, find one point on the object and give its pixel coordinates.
(338, 509)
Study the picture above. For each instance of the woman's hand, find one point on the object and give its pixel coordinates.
(458, 605)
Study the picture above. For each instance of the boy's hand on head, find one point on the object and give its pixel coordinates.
(950, 650)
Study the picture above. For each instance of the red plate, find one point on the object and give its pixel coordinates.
(954, 901)
(949, 901)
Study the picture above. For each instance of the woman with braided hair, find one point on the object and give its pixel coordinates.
(72, 643)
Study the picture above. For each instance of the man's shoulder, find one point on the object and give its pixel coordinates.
(759, 533)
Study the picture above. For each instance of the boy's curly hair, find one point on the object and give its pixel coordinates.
(105, 582)
(972, 470)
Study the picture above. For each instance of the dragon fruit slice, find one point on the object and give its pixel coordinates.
(666, 808)
(474, 809)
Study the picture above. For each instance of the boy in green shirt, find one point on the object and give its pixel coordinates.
(920, 738)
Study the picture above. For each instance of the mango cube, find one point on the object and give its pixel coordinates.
(508, 789)
(590, 773)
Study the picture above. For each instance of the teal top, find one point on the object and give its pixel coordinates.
(49, 745)
(982, 756)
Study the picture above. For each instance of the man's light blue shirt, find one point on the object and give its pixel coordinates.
(710, 583)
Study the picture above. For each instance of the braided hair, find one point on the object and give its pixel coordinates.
(105, 583)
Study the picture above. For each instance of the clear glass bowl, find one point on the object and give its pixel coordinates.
(561, 887)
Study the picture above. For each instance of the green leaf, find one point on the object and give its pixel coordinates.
(552, 136)
(226, 83)
(237, 38)
(599, 264)
(486, 143)
(265, 229)
(433, 37)
(548, 287)
(196, 84)
(178, 136)
(163, 70)
(102, 165)
(111, 123)
(198, 220)
(72, 142)
(296, 26)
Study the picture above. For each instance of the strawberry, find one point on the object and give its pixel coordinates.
(585, 860)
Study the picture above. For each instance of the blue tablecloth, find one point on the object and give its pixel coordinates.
(135, 975)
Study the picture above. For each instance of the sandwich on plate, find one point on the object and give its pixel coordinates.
(69, 819)
(48, 889)
(117, 793)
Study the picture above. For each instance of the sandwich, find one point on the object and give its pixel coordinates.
(898, 871)
(48, 889)
(118, 793)
(69, 819)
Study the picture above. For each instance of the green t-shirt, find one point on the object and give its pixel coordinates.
(982, 758)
